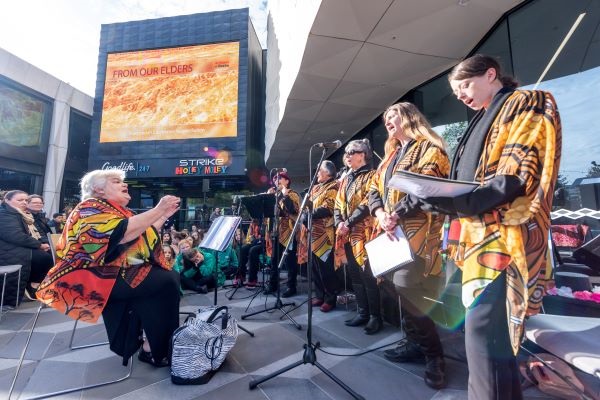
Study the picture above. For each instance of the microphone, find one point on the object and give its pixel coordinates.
(329, 145)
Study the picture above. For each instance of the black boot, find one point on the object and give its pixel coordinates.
(374, 325)
(373, 299)
(362, 316)
(435, 373)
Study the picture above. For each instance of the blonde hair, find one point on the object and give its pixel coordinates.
(413, 124)
(94, 180)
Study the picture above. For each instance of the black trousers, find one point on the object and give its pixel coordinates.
(197, 281)
(152, 306)
(41, 262)
(327, 285)
(291, 264)
(412, 287)
(493, 370)
(250, 254)
(364, 285)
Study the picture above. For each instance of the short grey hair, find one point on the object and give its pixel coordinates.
(329, 167)
(363, 145)
(94, 180)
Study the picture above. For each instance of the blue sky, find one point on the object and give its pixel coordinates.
(62, 37)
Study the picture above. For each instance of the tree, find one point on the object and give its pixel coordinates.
(594, 170)
(452, 134)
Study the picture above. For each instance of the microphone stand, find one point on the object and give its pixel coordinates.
(310, 355)
(278, 305)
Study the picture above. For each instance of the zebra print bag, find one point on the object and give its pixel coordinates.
(201, 344)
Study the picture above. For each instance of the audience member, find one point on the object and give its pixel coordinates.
(198, 272)
(35, 205)
(20, 243)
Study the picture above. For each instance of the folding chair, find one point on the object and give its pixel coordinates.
(5, 270)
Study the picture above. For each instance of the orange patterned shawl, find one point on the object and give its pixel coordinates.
(422, 229)
(80, 283)
(524, 140)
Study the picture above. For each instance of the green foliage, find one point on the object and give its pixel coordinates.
(594, 170)
(452, 134)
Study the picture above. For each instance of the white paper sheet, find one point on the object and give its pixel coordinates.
(386, 254)
(424, 186)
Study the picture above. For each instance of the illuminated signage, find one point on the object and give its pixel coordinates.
(171, 94)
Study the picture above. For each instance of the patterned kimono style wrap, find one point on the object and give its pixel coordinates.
(287, 219)
(323, 233)
(80, 283)
(422, 229)
(353, 193)
(524, 140)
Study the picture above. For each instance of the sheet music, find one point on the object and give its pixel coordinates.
(386, 255)
(220, 234)
(424, 186)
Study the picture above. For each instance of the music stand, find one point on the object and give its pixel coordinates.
(266, 203)
(309, 356)
(218, 238)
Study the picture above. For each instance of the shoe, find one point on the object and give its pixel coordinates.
(326, 307)
(358, 320)
(146, 357)
(289, 292)
(251, 284)
(406, 351)
(435, 373)
(238, 281)
(30, 293)
(374, 325)
(202, 289)
(316, 302)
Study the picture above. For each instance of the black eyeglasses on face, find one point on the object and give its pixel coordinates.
(353, 152)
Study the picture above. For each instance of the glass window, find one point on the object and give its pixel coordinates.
(80, 127)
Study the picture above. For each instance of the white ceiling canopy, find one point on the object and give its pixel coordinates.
(361, 56)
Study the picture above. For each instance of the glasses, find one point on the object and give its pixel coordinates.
(353, 152)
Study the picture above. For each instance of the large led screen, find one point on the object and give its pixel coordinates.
(21, 118)
(177, 93)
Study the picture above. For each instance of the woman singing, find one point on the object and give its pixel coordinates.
(512, 148)
(413, 146)
(354, 226)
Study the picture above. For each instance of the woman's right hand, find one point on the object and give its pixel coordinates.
(387, 221)
(168, 205)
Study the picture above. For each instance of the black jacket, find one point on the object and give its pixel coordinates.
(16, 245)
(41, 224)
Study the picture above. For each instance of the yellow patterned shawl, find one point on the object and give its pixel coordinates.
(348, 198)
(422, 229)
(286, 221)
(525, 141)
(80, 283)
(323, 231)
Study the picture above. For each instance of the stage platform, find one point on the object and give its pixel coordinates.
(50, 366)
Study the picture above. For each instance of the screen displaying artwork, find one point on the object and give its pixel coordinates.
(21, 118)
(176, 93)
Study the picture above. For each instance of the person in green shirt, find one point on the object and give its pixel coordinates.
(198, 273)
(227, 260)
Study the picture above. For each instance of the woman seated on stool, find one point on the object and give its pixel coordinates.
(110, 262)
(198, 272)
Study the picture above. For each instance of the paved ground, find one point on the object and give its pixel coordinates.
(50, 365)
